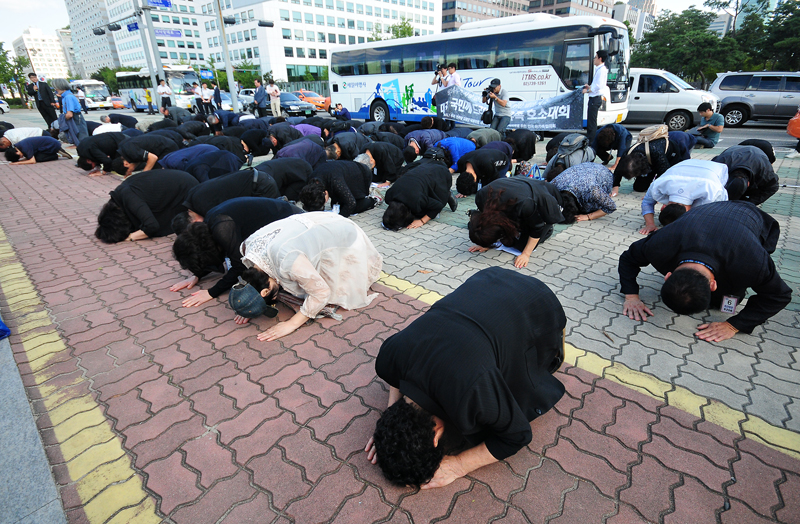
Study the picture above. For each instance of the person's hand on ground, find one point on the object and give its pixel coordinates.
(372, 454)
(239, 319)
(521, 260)
(614, 190)
(197, 298)
(635, 309)
(459, 195)
(384, 184)
(647, 229)
(715, 331)
(189, 283)
(449, 470)
(415, 224)
(582, 218)
(478, 249)
(281, 329)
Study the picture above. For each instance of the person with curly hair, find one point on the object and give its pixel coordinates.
(518, 212)
(467, 378)
(320, 258)
(204, 245)
(344, 182)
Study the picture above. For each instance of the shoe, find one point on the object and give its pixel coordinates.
(793, 154)
(249, 160)
(64, 154)
(378, 200)
(453, 203)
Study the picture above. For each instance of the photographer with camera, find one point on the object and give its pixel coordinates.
(502, 113)
(439, 76)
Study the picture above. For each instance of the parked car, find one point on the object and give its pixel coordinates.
(117, 102)
(660, 96)
(227, 105)
(293, 106)
(766, 95)
(247, 92)
(312, 98)
(245, 99)
(4, 107)
(327, 104)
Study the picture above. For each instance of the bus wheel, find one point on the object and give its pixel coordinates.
(379, 111)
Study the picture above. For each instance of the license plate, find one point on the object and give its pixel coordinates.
(308, 112)
(619, 118)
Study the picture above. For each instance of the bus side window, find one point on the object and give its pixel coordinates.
(576, 64)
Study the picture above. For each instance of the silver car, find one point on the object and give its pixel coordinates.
(763, 95)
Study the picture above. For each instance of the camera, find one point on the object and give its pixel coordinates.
(438, 68)
(486, 92)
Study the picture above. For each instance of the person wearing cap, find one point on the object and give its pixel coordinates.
(321, 258)
(689, 184)
(467, 378)
(205, 244)
(502, 113)
(595, 92)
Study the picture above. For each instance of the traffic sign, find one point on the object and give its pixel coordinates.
(133, 27)
(172, 33)
(160, 3)
(208, 75)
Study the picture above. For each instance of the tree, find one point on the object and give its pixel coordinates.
(376, 34)
(783, 38)
(752, 35)
(403, 29)
(630, 32)
(731, 7)
(12, 71)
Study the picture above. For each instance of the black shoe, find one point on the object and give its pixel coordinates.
(452, 202)
(64, 154)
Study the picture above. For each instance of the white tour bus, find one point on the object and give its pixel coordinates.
(535, 56)
(97, 95)
(179, 78)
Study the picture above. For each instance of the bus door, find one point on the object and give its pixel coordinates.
(578, 67)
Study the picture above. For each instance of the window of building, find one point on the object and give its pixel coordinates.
(255, 53)
(170, 43)
(359, 9)
(163, 54)
(351, 24)
(288, 52)
(328, 4)
(320, 37)
(246, 35)
(318, 3)
(331, 21)
(350, 7)
(340, 22)
(297, 17)
(190, 45)
(287, 34)
(331, 38)
(207, 27)
(298, 34)
(369, 26)
(192, 56)
(173, 56)
(351, 40)
(301, 53)
(342, 39)
(360, 25)
(339, 5)
(216, 41)
(253, 34)
(312, 53)
(323, 54)
(369, 10)
(360, 39)
(284, 15)
(159, 43)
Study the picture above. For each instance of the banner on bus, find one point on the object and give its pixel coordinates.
(559, 113)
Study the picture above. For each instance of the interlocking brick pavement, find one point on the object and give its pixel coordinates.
(153, 412)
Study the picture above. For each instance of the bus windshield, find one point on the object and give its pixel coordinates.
(617, 72)
(181, 81)
(96, 91)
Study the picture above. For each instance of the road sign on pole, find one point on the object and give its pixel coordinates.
(133, 27)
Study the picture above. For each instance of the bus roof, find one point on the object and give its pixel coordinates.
(146, 72)
(509, 24)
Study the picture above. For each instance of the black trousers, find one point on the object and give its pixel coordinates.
(166, 102)
(591, 116)
(208, 107)
(264, 185)
(262, 111)
(47, 111)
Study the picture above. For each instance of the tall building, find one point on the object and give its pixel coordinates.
(721, 25)
(178, 33)
(572, 7)
(44, 52)
(73, 60)
(641, 22)
(455, 13)
(95, 51)
(298, 46)
(647, 6)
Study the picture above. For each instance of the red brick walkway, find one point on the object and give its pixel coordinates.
(222, 427)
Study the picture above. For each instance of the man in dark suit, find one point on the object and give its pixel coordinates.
(467, 377)
(709, 257)
(116, 118)
(45, 100)
(217, 96)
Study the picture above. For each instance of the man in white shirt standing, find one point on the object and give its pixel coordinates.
(198, 98)
(81, 96)
(688, 184)
(595, 92)
(274, 98)
(453, 78)
(164, 92)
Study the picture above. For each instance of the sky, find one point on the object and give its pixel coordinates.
(18, 15)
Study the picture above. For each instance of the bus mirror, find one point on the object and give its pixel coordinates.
(613, 46)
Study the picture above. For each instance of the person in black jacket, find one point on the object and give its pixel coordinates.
(346, 183)
(171, 134)
(290, 175)
(178, 114)
(518, 212)
(646, 168)
(204, 245)
(99, 150)
(195, 128)
(709, 257)
(142, 153)
(419, 196)
(143, 206)
(386, 159)
(227, 143)
(750, 174)
(45, 100)
(523, 143)
(346, 146)
(281, 134)
(257, 141)
(467, 378)
(209, 166)
(390, 138)
(116, 118)
(480, 166)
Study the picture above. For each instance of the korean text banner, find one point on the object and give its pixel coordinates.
(560, 113)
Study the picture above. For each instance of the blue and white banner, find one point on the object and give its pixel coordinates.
(560, 113)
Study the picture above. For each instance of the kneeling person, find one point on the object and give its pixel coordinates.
(470, 374)
(35, 149)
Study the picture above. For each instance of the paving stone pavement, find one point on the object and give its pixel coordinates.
(151, 412)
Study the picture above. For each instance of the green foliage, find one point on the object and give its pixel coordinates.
(631, 32)
(12, 71)
(109, 76)
(376, 35)
(732, 7)
(783, 40)
(402, 30)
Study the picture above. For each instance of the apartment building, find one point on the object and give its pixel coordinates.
(95, 51)
(44, 52)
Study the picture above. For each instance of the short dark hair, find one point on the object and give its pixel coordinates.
(605, 137)
(451, 64)
(404, 444)
(603, 55)
(466, 184)
(557, 169)
(312, 196)
(196, 251)
(736, 187)
(409, 154)
(331, 152)
(671, 213)
(570, 207)
(260, 280)
(180, 222)
(632, 165)
(12, 155)
(705, 106)
(686, 292)
(32, 75)
(397, 216)
(113, 224)
(426, 122)
(118, 166)
(84, 164)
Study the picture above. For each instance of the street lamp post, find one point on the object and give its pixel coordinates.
(228, 65)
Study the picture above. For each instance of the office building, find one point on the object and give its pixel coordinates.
(572, 7)
(95, 51)
(455, 13)
(641, 22)
(44, 52)
(648, 6)
(721, 25)
(73, 60)
(298, 46)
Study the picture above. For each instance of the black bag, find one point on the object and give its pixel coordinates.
(433, 100)
(488, 115)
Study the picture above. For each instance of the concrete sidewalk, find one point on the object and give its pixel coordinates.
(151, 412)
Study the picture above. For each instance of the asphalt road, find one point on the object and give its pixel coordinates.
(775, 132)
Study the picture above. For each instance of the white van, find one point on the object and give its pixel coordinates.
(657, 96)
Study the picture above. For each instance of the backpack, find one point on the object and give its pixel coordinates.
(648, 134)
(573, 150)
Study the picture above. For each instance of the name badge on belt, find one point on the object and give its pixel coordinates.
(729, 304)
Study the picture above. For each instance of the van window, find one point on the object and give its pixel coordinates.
(735, 82)
(792, 84)
(654, 84)
(769, 83)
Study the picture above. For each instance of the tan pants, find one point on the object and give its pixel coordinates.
(275, 104)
